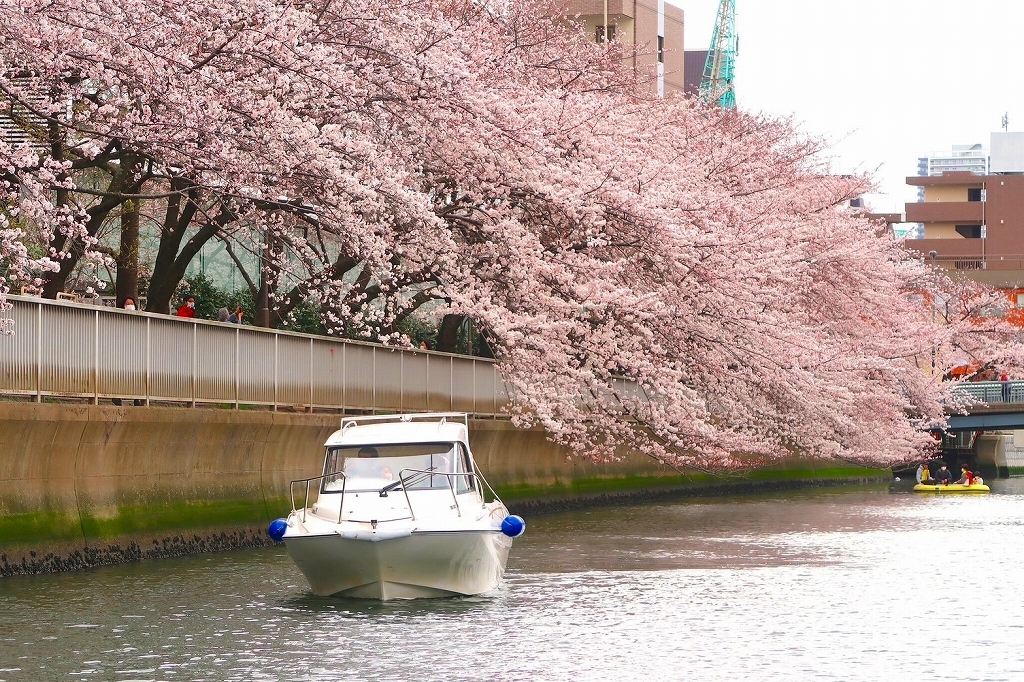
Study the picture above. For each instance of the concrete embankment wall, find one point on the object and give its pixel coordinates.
(1002, 453)
(85, 485)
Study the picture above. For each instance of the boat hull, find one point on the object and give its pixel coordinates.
(419, 564)
(951, 488)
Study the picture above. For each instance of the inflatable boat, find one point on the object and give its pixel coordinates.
(951, 488)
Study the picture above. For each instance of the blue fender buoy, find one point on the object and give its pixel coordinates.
(513, 526)
(277, 529)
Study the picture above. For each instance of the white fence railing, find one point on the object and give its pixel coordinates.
(64, 349)
(993, 391)
(70, 350)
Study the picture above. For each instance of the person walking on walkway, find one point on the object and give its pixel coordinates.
(188, 309)
(236, 317)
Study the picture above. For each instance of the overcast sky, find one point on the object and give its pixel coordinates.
(885, 80)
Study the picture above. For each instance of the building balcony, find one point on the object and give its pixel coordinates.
(616, 8)
(965, 178)
(967, 254)
(948, 248)
(961, 212)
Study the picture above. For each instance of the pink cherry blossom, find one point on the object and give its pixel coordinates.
(649, 273)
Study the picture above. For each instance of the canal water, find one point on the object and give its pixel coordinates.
(838, 584)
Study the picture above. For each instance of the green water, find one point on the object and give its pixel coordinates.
(840, 584)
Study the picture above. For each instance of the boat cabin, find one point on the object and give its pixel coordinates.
(421, 464)
(415, 466)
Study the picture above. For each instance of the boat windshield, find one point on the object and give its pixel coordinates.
(371, 467)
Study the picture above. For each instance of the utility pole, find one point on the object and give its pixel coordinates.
(604, 29)
(933, 255)
(263, 296)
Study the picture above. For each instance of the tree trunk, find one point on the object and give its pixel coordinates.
(485, 348)
(448, 334)
(128, 256)
(176, 220)
(172, 258)
(123, 181)
(56, 281)
(300, 291)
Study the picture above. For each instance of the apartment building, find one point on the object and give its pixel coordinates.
(654, 24)
(974, 221)
(970, 158)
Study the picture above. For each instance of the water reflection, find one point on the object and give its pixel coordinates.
(837, 584)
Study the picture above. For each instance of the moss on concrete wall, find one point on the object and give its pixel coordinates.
(89, 481)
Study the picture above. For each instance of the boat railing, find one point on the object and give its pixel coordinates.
(475, 478)
(428, 472)
(480, 477)
(440, 417)
(306, 481)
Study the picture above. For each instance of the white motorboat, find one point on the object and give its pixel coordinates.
(398, 513)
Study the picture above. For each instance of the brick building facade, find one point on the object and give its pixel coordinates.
(653, 24)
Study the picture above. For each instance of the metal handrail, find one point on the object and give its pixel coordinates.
(347, 422)
(97, 353)
(451, 486)
(64, 349)
(1003, 392)
(307, 481)
(481, 492)
(476, 478)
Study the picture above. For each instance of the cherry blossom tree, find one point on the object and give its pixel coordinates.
(648, 273)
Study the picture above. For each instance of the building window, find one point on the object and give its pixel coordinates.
(974, 194)
(602, 34)
(969, 231)
(661, 49)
